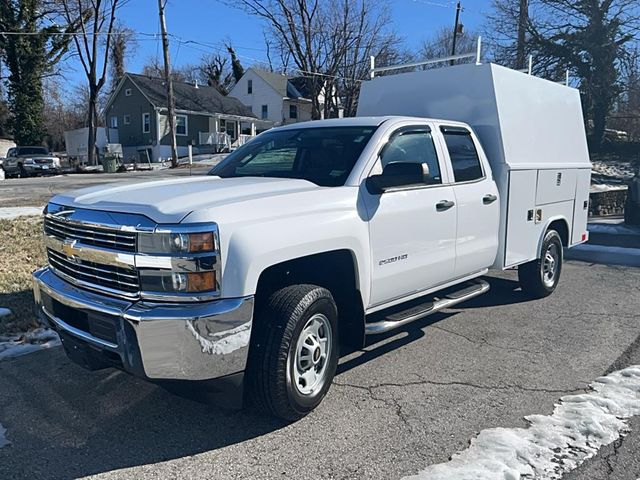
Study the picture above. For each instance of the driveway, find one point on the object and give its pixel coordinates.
(36, 191)
(408, 400)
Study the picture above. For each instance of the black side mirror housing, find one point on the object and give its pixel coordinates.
(398, 174)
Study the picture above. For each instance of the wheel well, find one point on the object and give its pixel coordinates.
(562, 228)
(335, 271)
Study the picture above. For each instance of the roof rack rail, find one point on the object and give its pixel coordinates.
(477, 54)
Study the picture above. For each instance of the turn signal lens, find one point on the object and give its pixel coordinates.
(201, 242)
(201, 281)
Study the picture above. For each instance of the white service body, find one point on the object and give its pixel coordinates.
(532, 133)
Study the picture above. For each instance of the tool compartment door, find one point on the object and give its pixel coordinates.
(581, 206)
(522, 231)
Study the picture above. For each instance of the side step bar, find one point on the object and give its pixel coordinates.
(468, 291)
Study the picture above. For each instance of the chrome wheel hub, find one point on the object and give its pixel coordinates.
(550, 265)
(312, 354)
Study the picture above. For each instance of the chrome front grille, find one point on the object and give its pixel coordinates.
(90, 235)
(106, 276)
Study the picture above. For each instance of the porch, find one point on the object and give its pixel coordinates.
(228, 132)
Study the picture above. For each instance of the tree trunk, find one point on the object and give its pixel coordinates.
(600, 110)
(91, 141)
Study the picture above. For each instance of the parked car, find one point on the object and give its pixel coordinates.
(30, 161)
(321, 233)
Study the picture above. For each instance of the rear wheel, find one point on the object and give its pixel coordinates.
(294, 352)
(539, 278)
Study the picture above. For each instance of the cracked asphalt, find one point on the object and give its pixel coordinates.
(409, 399)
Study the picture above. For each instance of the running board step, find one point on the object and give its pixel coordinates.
(395, 320)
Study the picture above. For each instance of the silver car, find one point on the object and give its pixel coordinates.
(30, 161)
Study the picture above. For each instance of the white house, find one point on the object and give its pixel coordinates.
(272, 96)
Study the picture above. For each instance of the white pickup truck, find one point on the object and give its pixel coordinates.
(321, 233)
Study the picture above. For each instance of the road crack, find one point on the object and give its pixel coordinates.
(484, 341)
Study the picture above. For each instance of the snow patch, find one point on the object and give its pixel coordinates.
(17, 345)
(222, 343)
(552, 444)
(605, 254)
(3, 439)
(9, 213)
(613, 229)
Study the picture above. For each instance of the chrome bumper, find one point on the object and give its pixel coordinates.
(159, 341)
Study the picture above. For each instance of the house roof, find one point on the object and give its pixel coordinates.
(203, 99)
(279, 82)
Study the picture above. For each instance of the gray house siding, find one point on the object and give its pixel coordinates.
(134, 106)
(195, 124)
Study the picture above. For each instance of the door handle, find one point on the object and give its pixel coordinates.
(489, 198)
(443, 205)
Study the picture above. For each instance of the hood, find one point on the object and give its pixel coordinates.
(169, 201)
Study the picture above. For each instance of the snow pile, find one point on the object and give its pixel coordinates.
(9, 213)
(615, 169)
(222, 343)
(553, 444)
(17, 345)
(3, 440)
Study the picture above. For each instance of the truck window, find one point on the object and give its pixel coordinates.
(413, 147)
(464, 156)
(322, 155)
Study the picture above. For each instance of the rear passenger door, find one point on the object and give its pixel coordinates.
(477, 201)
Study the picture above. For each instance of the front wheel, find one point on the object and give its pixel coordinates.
(539, 278)
(294, 352)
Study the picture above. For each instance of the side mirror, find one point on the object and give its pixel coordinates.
(398, 174)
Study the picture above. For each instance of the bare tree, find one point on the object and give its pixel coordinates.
(98, 19)
(316, 35)
(440, 45)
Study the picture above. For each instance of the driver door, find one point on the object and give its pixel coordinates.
(412, 230)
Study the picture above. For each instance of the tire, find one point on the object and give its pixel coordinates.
(294, 351)
(22, 171)
(539, 278)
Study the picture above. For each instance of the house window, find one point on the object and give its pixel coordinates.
(249, 87)
(127, 92)
(113, 122)
(181, 125)
(293, 111)
(146, 123)
(265, 112)
(126, 119)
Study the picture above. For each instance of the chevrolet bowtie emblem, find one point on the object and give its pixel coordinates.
(69, 248)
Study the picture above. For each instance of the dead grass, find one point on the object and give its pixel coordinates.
(21, 252)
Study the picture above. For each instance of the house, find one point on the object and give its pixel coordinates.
(205, 119)
(272, 96)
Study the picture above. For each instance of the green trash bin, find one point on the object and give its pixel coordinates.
(109, 164)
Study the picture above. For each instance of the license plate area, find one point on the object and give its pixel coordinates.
(101, 326)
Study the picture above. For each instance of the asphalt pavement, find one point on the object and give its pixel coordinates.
(408, 400)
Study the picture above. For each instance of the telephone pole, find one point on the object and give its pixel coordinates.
(455, 32)
(171, 103)
(523, 17)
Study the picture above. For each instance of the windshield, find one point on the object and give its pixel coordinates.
(323, 155)
(32, 151)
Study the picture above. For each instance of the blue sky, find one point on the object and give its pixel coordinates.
(212, 22)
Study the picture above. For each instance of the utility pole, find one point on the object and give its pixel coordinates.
(455, 32)
(171, 103)
(523, 17)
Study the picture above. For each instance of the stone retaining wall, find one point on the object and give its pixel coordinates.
(609, 202)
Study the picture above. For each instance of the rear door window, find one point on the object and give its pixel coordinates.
(463, 154)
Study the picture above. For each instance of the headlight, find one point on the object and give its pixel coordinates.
(56, 162)
(166, 281)
(176, 242)
(177, 262)
(28, 161)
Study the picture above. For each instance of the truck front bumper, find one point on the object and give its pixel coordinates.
(157, 341)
